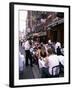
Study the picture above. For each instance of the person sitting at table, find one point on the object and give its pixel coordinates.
(52, 61)
(42, 64)
(38, 51)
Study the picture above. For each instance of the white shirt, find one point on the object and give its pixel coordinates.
(49, 41)
(58, 44)
(62, 50)
(42, 63)
(61, 59)
(52, 61)
(27, 45)
(31, 50)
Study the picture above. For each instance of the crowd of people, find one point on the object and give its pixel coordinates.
(48, 57)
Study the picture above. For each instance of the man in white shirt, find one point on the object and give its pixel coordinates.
(52, 61)
(27, 52)
(27, 45)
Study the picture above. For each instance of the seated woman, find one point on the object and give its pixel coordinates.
(42, 64)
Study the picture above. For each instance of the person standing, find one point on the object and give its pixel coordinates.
(58, 44)
(59, 51)
(27, 52)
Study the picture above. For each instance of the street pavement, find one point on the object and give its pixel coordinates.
(28, 72)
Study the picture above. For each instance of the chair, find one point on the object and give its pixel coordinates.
(56, 71)
(61, 69)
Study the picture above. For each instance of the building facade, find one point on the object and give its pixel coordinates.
(46, 25)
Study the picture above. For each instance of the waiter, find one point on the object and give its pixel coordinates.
(27, 52)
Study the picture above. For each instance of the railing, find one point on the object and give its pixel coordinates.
(56, 22)
(52, 24)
